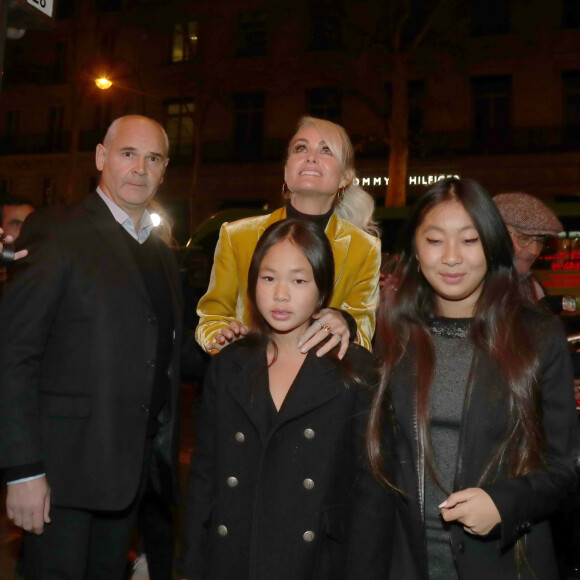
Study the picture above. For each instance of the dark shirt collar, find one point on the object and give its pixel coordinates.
(320, 220)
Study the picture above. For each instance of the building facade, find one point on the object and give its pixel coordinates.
(492, 89)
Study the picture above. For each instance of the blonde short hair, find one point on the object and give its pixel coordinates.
(357, 205)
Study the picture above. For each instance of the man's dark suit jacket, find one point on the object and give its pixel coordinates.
(78, 356)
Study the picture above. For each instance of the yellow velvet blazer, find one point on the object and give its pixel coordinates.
(357, 258)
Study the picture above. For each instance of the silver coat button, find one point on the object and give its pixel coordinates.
(309, 433)
(308, 536)
(232, 481)
(308, 483)
(240, 437)
(222, 530)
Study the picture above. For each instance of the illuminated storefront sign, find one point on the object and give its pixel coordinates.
(566, 266)
(377, 181)
(558, 268)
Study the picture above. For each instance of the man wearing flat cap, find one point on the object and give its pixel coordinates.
(530, 223)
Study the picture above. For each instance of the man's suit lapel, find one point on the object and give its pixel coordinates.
(340, 243)
(111, 232)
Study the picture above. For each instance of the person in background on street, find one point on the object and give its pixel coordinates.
(89, 378)
(13, 211)
(278, 487)
(5, 241)
(480, 382)
(530, 223)
(318, 187)
(7, 253)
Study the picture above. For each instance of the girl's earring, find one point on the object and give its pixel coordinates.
(340, 195)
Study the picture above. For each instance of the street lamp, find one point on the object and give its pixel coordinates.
(103, 83)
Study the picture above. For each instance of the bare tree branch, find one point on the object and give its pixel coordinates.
(428, 24)
(400, 25)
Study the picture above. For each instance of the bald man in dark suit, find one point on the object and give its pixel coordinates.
(89, 377)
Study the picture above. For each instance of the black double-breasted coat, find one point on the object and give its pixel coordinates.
(78, 361)
(292, 500)
(524, 503)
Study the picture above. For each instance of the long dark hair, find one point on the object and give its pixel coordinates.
(315, 246)
(497, 330)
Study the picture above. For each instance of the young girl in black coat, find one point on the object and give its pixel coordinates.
(481, 388)
(278, 487)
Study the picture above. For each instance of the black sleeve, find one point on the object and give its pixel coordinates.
(522, 501)
(22, 471)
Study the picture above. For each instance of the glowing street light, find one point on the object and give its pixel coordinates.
(103, 83)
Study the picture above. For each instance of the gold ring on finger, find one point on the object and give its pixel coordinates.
(327, 328)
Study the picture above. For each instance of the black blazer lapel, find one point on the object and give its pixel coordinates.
(249, 384)
(315, 384)
(110, 230)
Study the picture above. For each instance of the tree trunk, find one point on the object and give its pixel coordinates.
(397, 188)
(396, 194)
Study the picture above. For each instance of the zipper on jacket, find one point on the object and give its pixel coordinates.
(420, 462)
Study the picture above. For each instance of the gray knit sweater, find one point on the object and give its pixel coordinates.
(453, 356)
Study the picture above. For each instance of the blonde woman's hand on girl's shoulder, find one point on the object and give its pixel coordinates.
(327, 321)
(227, 335)
(473, 508)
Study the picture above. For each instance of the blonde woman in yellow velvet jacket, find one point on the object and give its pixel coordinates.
(318, 185)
